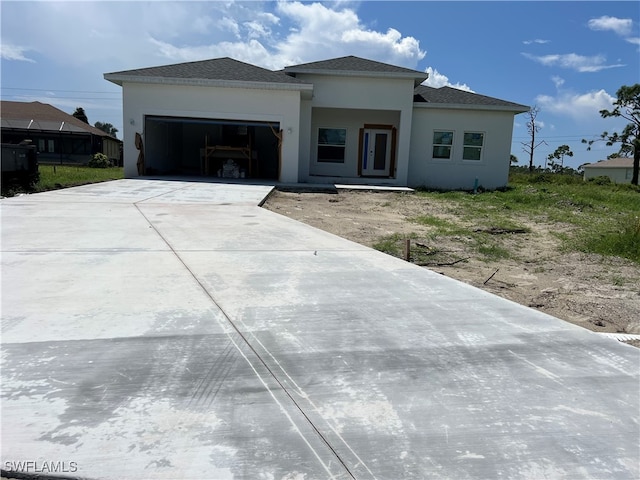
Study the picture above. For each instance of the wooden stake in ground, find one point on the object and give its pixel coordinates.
(407, 249)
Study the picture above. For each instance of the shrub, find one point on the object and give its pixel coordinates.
(99, 160)
(601, 180)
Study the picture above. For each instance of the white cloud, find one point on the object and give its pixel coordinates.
(537, 40)
(229, 24)
(106, 35)
(268, 17)
(620, 26)
(392, 40)
(321, 32)
(13, 52)
(634, 40)
(580, 107)
(557, 81)
(251, 52)
(257, 29)
(132, 35)
(574, 61)
(437, 80)
(203, 24)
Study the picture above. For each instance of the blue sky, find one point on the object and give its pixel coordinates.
(568, 58)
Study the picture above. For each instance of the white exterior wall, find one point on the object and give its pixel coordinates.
(212, 102)
(492, 171)
(616, 174)
(354, 101)
(352, 121)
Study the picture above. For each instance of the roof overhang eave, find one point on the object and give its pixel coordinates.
(516, 109)
(204, 82)
(595, 165)
(418, 79)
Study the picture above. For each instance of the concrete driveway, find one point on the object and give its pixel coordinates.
(167, 329)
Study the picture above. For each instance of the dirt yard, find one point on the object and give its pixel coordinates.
(598, 293)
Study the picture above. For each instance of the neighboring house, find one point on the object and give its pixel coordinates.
(58, 136)
(619, 170)
(344, 120)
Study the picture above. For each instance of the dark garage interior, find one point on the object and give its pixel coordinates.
(211, 147)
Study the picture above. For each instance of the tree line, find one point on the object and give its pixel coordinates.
(105, 127)
(627, 106)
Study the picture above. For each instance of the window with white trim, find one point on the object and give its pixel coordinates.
(442, 144)
(331, 144)
(472, 148)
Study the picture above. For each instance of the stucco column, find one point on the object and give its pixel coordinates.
(404, 145)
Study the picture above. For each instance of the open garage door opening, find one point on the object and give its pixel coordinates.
(211, 147)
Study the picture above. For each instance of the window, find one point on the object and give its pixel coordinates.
(442, 142)
(331, 144)
(472, 149)
(628, 173)
(46, 146)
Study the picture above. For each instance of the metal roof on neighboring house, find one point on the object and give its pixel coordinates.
(450, 95)
(618, 162)
(43, 117)
(225, 69)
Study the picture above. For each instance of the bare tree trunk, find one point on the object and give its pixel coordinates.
(533, 142)
(636, 162)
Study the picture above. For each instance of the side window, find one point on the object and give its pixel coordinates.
(331, 144)
(473, 143)
(442, 143)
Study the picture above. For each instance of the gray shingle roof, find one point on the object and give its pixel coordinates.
(229, 69)
(215, 69)
(353, 64)
(449, 95)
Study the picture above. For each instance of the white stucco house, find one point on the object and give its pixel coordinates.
(344, 120)
(619, 170)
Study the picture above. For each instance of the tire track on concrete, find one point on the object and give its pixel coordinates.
(262, 361)
(207, 389)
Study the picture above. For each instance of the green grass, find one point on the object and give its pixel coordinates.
(60, 176)
(621, 239)
(590, 217)
(493, 252)
(440, 225)
(393, 244)
(53, 177)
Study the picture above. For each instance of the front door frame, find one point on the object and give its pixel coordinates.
(392, 160)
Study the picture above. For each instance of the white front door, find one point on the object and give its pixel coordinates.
(376, 152)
